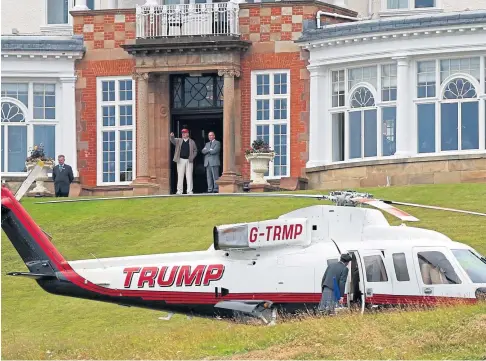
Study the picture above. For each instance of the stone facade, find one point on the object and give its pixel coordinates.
(426, 170)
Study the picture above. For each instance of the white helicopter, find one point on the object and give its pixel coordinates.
(256, 270)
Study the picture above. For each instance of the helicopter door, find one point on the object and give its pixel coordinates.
(354, 285)
(377, 282)
(438, 274)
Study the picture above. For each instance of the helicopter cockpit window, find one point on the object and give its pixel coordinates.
(436, 269)
(375, 269)
(474, 266)
(401, 269)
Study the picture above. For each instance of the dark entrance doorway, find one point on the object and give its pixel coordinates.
(199, 126)
(196, 104)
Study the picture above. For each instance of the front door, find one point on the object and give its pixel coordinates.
(377, 281)
(199, 126)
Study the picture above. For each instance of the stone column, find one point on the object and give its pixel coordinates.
(229, 182)
(80, 5)
(404, 137)
(142, 127)
(320, 122)
(67, 137)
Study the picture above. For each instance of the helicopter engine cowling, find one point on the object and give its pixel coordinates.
(264, 234)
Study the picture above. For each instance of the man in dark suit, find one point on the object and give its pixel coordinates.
(62, 175)
(211, 162)
(335, 275)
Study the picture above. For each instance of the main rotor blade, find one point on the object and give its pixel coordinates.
(262, 195)
(404, 216)
(34, 173)
(434, 207)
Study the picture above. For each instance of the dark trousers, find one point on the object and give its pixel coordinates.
(212, 175)
(62, 190)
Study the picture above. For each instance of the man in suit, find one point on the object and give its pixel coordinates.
(211, 162)
(185, 152)
(335, 275)
(62, 175)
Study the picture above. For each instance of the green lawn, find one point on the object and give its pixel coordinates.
(37, 325)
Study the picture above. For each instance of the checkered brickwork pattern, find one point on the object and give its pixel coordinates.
(106, 31)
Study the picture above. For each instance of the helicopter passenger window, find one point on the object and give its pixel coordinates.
(375, 269)
(436, 269)
(401, 269)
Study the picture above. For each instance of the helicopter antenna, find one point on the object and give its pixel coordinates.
(336, 246)
(101, 263)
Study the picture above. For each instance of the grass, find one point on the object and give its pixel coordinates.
(37, 325)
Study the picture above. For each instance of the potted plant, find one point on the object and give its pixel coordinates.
(259, 155)
(37, 156)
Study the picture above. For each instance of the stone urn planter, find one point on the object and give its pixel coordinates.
(259, 163)
(40, 189)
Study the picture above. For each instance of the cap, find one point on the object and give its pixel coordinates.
(346, 257)
(184, 130)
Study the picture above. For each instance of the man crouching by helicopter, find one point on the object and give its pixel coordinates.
(335, 276)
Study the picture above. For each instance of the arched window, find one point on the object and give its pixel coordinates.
(362, 124)
(14, 136)
(459, 121)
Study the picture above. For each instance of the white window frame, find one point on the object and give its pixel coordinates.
(30, 122)
(61, 26)
(100, 128)
(271, 122)
(410, 10)
(438, 100)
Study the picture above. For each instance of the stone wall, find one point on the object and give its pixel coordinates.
(429, 170)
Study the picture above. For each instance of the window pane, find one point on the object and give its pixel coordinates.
(280, 109)
(388, 130)
(125, 90)
(126, 156)
(280, 83)
(90, 4)
(108, 90)
(424, 3)
(44, 101)
(401, 269)
(426, 128)
(355, 135)
(18, 91)
(280, 147)
(338, 88)
(263, 84)
(2, 145)
(470, 125)
(46, 135)
(17, 148)
(126, 115)
(263, 132)
(338, 137)
(426, 79)
(263, 109)
(57, 11)
(108, 156)
(370, 133)
(109, 116)
(474, 266)
(449, 124)
(435, 268)
(375, 269)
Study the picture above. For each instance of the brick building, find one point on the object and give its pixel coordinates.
(231, 68)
